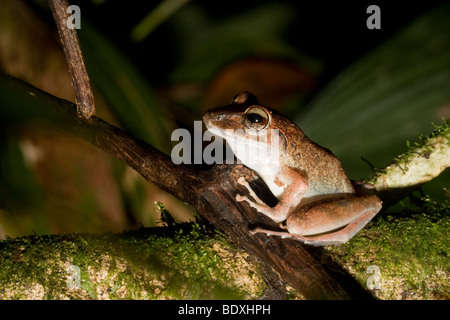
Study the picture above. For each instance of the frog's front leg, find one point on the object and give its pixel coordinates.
(333, 222)
(296, 187)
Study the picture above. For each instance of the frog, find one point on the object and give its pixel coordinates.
(317, 204)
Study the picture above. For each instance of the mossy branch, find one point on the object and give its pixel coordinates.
(187, 261)
(424, 161)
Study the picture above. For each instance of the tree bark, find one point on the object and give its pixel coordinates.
(74, 57)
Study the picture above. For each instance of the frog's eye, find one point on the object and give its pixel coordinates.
(256, 118)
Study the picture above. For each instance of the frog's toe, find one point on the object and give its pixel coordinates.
(241, 180)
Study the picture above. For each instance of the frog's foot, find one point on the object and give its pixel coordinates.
(240, 198)
(277, 214)
(282, 234)
(259, 206)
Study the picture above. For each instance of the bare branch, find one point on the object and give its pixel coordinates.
(74, 57)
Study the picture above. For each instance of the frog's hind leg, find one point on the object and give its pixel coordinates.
(342, 235)
(333, 237)
(333, 222)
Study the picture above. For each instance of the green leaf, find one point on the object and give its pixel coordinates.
(389, 96)
(155, 18)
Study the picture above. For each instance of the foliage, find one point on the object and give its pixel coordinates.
(387, 97)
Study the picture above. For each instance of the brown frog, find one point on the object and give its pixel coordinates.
(318, 204)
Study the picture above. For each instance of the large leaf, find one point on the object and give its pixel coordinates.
(386, 98)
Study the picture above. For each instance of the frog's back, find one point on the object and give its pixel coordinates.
(324, 171)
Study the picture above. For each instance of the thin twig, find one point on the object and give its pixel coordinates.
(74, 57)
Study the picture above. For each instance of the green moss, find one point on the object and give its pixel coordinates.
(423, 147)
(185, 261)
(411, 249)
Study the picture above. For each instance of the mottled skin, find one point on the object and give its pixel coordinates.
(317, 204)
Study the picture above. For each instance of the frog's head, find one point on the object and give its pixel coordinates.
(255, 133)
(247, 117)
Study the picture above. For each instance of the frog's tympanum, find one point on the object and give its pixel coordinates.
(317, 203)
